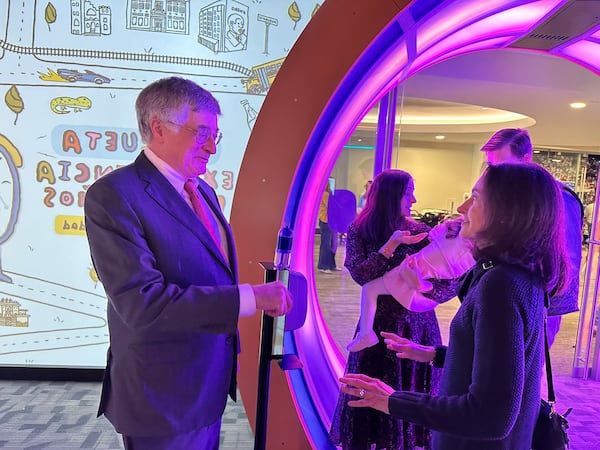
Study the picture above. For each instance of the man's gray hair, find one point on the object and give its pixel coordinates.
(167, 98)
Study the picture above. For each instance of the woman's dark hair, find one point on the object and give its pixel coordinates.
(524, 213)
(382, 214)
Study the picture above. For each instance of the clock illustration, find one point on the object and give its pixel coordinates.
(10, 193)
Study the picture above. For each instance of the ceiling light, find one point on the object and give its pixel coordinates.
(577, 105)
(439, 137)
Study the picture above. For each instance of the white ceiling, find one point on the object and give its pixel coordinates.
(529, 83)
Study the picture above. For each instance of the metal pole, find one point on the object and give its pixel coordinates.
(266, 51)
(385, 131)
(264, 373)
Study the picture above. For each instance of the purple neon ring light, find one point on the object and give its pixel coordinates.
(423, 34)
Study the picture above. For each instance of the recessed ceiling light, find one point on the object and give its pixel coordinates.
(359, 139)
(440, 137)
(577, 105)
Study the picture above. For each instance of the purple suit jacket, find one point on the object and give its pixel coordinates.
(173, 304)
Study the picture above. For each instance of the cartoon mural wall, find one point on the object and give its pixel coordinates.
(69, 76)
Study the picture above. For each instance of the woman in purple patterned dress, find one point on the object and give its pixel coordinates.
(378, 240)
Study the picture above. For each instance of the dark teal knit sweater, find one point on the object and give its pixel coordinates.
(490, 391)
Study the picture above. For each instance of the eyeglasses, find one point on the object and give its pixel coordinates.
(201, 133)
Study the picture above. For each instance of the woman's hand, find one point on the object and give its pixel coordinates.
(404, 237)
(453, 227)
(371, 392)
(413, 276)
(400, 237)
(407, 349)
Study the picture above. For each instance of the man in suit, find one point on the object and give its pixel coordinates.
(166, 257)
(514, 145)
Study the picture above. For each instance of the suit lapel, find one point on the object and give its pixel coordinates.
(164, 194)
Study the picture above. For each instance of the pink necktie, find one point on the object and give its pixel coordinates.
(201, 209)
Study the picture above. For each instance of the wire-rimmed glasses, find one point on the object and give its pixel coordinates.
(201, 133)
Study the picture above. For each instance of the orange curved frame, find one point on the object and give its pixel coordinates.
(286, 120)
(331, 44)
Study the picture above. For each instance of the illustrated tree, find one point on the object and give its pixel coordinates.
(314, 11)
(294, 13)
(14, 101)
(50, 14)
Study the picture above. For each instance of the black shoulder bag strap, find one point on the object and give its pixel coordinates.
(473, 275)
(551, 397)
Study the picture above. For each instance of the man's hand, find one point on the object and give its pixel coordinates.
(273, 298)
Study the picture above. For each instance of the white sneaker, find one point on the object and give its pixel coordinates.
(361, 342)
(324, 270)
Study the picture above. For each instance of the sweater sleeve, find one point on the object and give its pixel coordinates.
(493, 382)
(567, 301)
(440, 356)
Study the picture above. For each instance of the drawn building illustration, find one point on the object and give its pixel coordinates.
(11, 314)
(223, 26)
(162, 16)
(89, 20)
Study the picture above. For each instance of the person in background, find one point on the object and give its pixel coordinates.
(514, 145)
(490, 390)
(328, 246)
(588, 217)
(379, 239)
(166, 257)
(363, 197)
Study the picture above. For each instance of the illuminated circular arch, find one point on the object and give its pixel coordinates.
(347, 58)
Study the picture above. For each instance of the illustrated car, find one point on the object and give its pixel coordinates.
(87, 75)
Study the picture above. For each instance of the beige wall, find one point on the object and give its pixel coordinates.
(443, 173)
(360, 164)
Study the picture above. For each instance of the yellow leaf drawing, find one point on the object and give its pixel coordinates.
(93, 275)
(14, 101)
(314, 11)
(50, 14)
(294, 13)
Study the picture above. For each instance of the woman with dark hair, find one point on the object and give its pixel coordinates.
(378, 240)
(490, 390)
